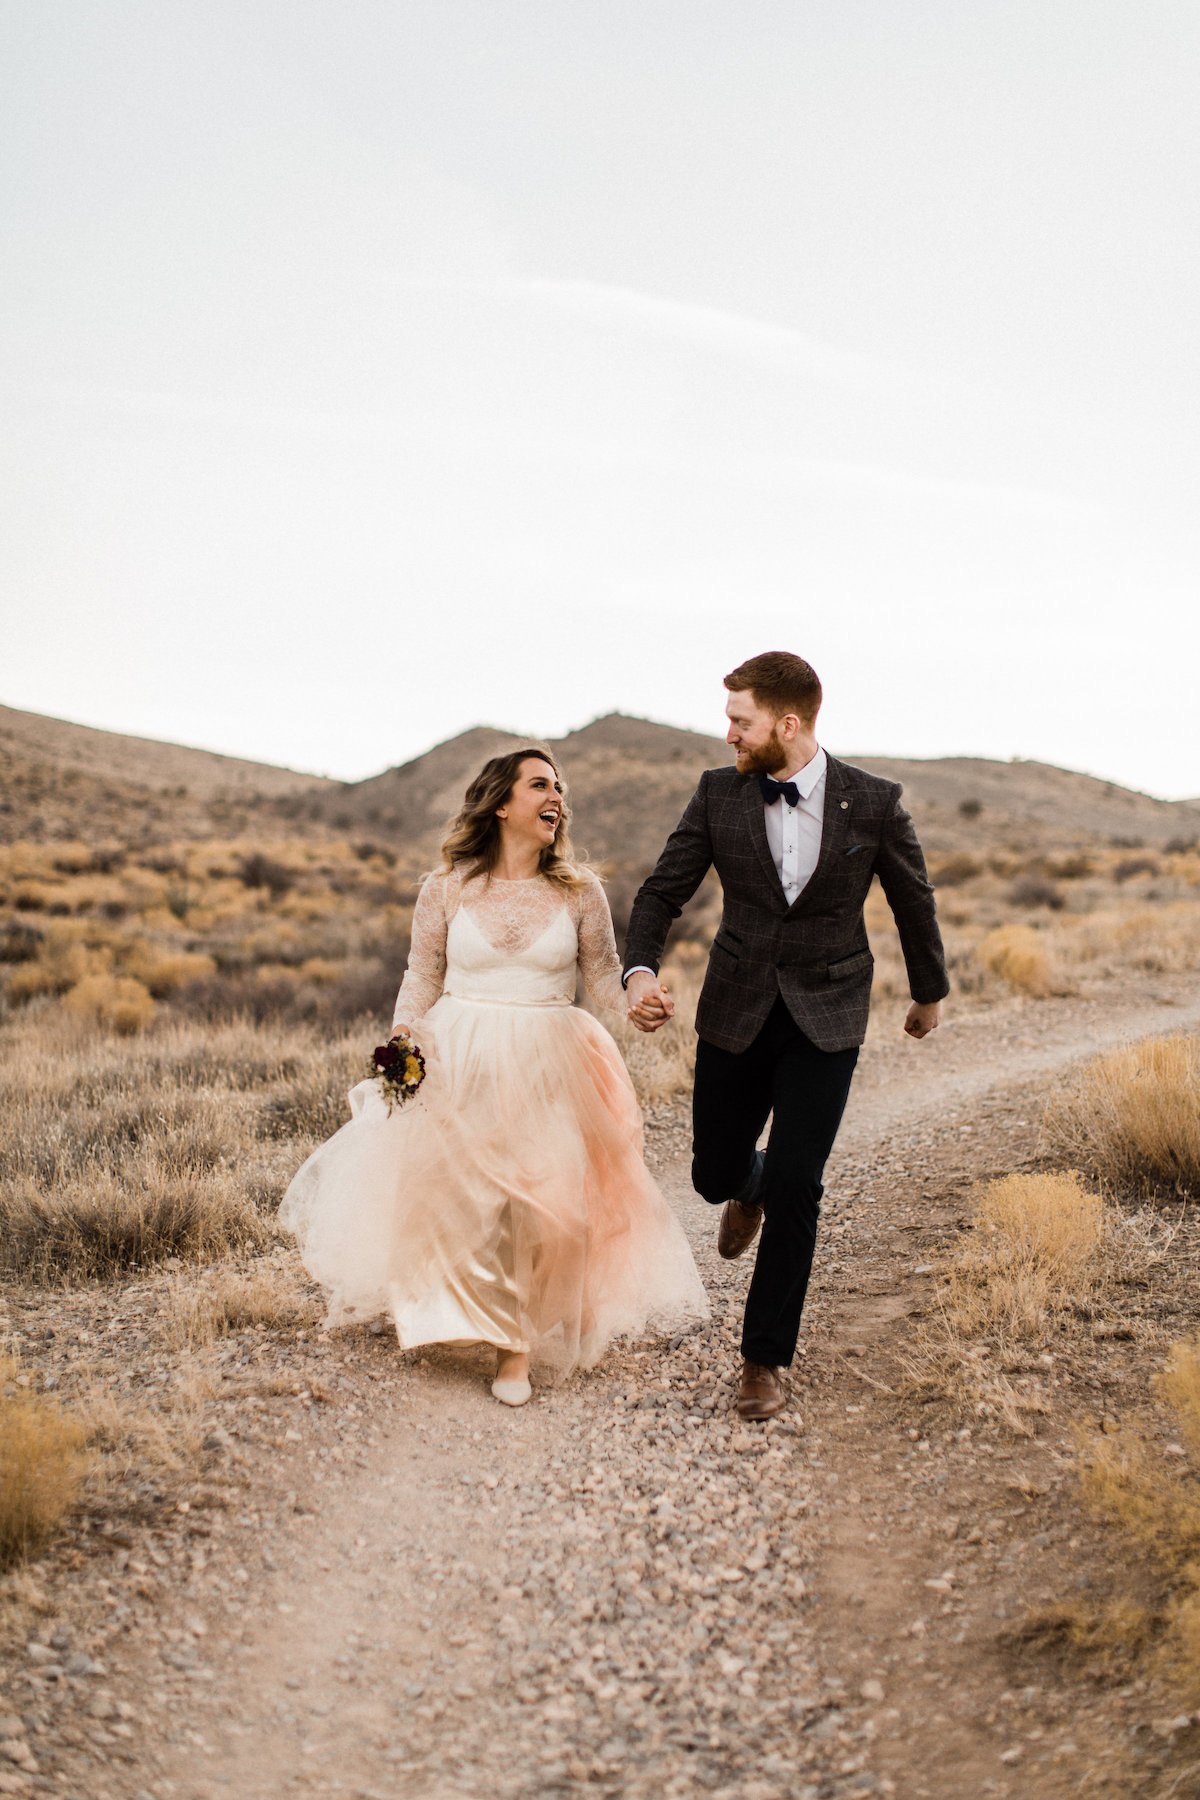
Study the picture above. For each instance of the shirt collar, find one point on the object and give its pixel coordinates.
(811, 775)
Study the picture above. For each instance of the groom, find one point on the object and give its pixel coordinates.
(795, 836)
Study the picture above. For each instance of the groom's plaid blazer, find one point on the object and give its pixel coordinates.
(814, 952)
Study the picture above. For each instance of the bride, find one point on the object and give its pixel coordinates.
(507, 1203)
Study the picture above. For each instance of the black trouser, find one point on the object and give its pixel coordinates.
(806, 1088)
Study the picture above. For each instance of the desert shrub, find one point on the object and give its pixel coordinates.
(952, 871)
(285, 995)
(19, 943)
(178, 1142)
(320, 969)
(1155, 939)
(41, 1466)
(1037, 1247)
(1129, 866)
(1035, 890)
(1180, 846)
(1132, 1116)
(68, 952)
(1017, 954)
(970, 808)
(260, 871)
(102, 1226)
(35, 896)
(1075, 867)
(114, 1002)
(163, 971)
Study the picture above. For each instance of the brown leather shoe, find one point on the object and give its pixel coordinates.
(762, 1393)
(738, 1228)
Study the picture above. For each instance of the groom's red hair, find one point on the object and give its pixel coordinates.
(780, 682)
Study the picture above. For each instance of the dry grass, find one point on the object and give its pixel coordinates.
(197, 924)
(114, 1154)
(1159, 940)
(130, 1440)
(1041, 1245)
(1018, 955)
(229, 1301)
(42, 1466)
(1157, 1505)
(1132, 1117)
(105, 1226)
(1038, 1247)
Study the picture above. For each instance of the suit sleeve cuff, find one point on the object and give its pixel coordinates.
(637, 969)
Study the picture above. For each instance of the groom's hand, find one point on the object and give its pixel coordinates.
(922, 1020)
(650, 1005)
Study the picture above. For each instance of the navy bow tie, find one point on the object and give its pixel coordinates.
(771, 790)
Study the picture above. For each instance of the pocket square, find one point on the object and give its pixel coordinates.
(854, 849)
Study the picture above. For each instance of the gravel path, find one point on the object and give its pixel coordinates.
(388, 1586)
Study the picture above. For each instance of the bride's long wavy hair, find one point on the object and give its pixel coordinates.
(472, 844)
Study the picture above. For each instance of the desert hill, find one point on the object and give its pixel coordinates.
(59, 780)
(629, 778)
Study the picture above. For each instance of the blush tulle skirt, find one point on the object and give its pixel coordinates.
(507, 1203)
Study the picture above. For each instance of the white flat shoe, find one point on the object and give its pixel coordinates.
(512, 1393)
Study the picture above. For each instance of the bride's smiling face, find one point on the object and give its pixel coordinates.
(532, 811)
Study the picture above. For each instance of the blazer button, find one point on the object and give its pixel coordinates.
(845, 804)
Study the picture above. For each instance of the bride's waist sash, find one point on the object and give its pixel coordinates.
(499, 1000)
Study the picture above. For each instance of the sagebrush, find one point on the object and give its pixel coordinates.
(1132, 1116)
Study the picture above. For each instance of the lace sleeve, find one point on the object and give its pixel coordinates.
(599, 963)
(426, 969)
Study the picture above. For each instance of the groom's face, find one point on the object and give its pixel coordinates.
(754, 734)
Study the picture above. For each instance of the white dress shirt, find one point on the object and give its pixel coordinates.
(793, 833)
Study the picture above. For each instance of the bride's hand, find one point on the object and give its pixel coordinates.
(406, 1031)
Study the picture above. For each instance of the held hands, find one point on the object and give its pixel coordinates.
(921, 1020)
(650, 1005)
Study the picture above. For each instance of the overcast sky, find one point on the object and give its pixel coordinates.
(372, 370)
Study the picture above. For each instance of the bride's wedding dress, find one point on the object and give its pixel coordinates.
(507, 1203)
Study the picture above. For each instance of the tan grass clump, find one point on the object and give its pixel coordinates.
(113, 1002)
(41, 1466)
(1038, 1246)
(1017, 954)
(1158, 1507)
(162, 971)
(236, 1302)
(1132, 1116)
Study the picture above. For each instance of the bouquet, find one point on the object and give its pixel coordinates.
(399, 1068)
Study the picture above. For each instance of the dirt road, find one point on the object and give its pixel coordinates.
(389, 1586)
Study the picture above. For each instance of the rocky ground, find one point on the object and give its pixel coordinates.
(363, 1577)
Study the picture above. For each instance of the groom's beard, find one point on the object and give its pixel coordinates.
(763, 762)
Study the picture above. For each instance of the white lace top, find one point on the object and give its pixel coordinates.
(525, 942)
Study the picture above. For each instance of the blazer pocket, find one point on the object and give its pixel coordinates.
(855, 848)
(727, 947)
(848, 966)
